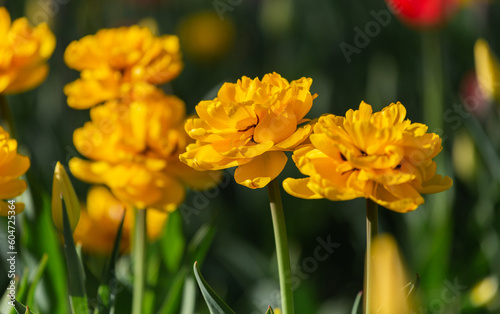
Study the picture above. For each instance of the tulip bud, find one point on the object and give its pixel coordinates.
(423, 13)
(487, 70)
(63, 189)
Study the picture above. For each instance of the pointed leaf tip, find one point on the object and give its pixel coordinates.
(215, 304)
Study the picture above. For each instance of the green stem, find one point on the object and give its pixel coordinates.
(6, 116)
(371, 232)
(140, 244)
(281, 246)
(437, 227)
(433, 81)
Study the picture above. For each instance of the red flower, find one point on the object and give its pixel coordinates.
(423, 13)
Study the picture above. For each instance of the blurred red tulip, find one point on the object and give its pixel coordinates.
(423, 13)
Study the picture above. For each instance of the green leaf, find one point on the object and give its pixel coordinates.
(76, 284)
(40, 237)
(21, 309)
(22, 288)
(357, 301)
(171, 302)
(270, 310)
(172, 242)
(215, 304)
(38, 275)
(107, 294)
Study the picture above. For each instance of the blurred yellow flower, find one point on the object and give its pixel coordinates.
(484, 292)
(249, 125)
(388, 279)
(101, 218)
(23, 53)
(487, 70)
(205, 37)
(135, 145)
(113, 60)
(12, 166)
(380, 156)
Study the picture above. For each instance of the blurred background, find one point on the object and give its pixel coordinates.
(452, 241)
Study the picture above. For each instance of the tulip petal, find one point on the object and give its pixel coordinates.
(295, 139)
(88, 171)
(12, 188)
(261, 170)
(300, 188)
(435, 185)
(204, 157)
(4, 207)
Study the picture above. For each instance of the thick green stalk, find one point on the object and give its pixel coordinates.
(140, 244)
(371, 232)
(438, 227)
(281, 246)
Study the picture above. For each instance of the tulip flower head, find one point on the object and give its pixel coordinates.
(381, 156)
(423, 13)
(112, 61)
(23, 53)
(487, 70)
(12, 166)
(250, 124)
(133, 147)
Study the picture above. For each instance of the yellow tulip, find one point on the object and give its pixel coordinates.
(12, 166)
(487, 70)
(205, 37)
(62, 189)
(23, 53)
(112, 61)
(250, 124)
(388, 279)
(380, 156)
(101, 218)
(134, 146)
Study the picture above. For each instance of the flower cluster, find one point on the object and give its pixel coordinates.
(23, 53)
(112, 61)
(12, 166)
(381, 156)
(250, 124)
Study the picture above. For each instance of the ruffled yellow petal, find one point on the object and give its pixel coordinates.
(14, 168)
(400, 198)
(204, 157)
(27, 79)
(295, 139)
(261, 170)
(12, 188)
(275, 128)
(91, 172)
(299, 188)
(4, 207)
(436, 184)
